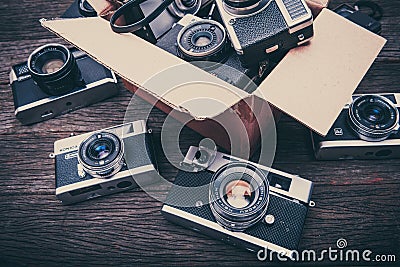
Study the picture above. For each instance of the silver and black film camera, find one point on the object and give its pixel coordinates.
(239, 202)
(56, 80)
(367, 128)
(265, 29)
(104, 162)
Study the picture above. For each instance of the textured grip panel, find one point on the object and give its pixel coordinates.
(295, 8)
(289, 215)
(260, 27)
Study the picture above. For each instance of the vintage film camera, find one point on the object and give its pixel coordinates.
(367, 128)
(204, 42)
(56, 80)
(265, 29)
(151, 19)
(239, 202)
(104, 162)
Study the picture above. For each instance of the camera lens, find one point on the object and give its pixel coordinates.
(202, 41)
(101, 154)
(100, 149)
(85, 9)
(239, 194)
(241, 3)
(244, 7)
(373, 117)
(54, 69)
(180, 8)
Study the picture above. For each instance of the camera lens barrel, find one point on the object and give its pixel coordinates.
(239, 195)
(54, 69)
(241, 3)
(203, 40)
(180, 8)
(85, 9)
(373, 117)
(101, 154)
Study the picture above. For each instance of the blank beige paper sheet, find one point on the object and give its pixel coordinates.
(313, 82)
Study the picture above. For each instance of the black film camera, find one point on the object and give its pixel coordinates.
(56, 80)
(204, 42)
(104, 162)
(265, 29)
(367, 128)
(360, 18)
(239, 202)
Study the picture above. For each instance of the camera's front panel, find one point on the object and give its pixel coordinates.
(76, 181)
(342, 142)
(192, 209)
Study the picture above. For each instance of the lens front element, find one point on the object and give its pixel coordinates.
(101, 154)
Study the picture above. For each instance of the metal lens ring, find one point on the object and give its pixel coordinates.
(54, 69)
(202, 40)
(239, 195)
(101, 154)
(244, 7)
(373, 117)
(180, 8)
(85, 9)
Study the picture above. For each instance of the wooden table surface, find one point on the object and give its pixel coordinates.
(355, 200)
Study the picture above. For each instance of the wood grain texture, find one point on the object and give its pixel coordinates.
(355, 200)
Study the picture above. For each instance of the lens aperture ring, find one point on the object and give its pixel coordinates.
(373, 117)
(101, 154)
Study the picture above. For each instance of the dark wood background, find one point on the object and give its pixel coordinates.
(355, 200)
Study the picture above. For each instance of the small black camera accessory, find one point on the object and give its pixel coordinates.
(150, 19)
(79, 8)
(367, 21)
(85, 9)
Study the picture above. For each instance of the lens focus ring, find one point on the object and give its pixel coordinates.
(239, 195)
(373, 117)
(101, 154)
